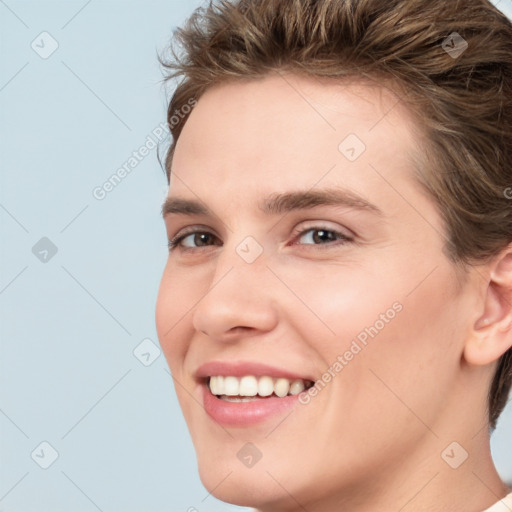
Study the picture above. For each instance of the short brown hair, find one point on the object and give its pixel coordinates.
(464, 101)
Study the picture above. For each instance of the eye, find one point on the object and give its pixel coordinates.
(200, 238)
(318, 235)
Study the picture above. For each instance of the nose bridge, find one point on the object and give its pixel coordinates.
(237, 295)
(244, 263)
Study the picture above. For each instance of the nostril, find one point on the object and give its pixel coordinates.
(239, 327)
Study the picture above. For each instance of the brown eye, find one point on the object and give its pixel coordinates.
(199, 238)
(321, 236)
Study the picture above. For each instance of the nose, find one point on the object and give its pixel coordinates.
(239, 300)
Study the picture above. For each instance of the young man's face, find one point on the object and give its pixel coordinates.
(357, 295)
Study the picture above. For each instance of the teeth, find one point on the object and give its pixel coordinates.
(281, 387)
(216, 383)
(249, 386)
(296, 387)
(231, 385)
(236, 398)
(265, 386)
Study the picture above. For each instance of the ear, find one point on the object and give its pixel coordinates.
(491, 335)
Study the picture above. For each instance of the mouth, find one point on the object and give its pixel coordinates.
(245, 394)
(250, 388)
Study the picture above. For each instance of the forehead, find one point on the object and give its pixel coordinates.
(285, 129)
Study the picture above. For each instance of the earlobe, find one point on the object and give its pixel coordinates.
(491, 335)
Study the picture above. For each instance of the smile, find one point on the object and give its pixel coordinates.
(250, 388)
(245, 394)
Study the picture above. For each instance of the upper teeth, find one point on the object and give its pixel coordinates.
(252, 386)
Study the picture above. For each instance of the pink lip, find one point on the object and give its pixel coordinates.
(244, 414)
(241, 368)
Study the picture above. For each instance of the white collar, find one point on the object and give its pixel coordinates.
(504, 505)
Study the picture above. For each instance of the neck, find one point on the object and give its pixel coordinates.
(430, 480)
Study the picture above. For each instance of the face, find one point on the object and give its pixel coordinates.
(312, 255)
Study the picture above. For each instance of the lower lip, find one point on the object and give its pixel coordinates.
(243, 414)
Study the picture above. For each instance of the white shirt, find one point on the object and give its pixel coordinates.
(504, 505)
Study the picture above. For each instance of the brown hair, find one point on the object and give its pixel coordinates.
(463, 98)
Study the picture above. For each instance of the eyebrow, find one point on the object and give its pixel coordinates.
(279, 203)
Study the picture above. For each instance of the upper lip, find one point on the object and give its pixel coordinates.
(241, 368)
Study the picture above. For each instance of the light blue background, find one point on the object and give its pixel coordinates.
(69, 327)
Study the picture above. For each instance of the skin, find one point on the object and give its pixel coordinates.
(372, 438)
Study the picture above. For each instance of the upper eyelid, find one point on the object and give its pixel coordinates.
(190, 230)
(319, 224)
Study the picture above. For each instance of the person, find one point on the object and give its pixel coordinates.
(336, 307)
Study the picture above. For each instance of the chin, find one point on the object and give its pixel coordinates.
(245, 488)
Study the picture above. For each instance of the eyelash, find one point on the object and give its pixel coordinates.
(174, 243)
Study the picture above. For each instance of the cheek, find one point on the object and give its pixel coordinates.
(340, 301)
(173, 307)
(395, 333)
